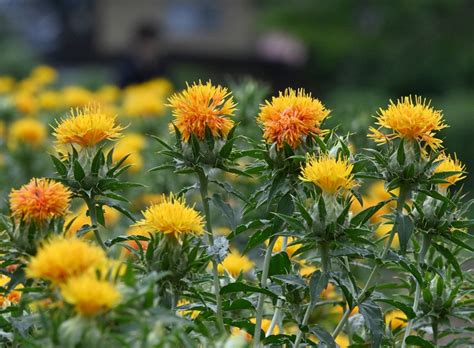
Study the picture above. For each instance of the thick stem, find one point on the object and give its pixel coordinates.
(325, 266)
(93, 216)
(203, 186)
(402, 197)
(416, 301)
(261, 297)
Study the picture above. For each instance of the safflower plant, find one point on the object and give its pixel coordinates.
(284, 237)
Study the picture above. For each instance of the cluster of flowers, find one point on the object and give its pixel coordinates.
(316, 227)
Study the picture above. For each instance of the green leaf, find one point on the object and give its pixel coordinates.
(79, 173)
(162, 142)
(401, 306)
(242, 287)
(323, 336)
(450, 257)
(401, 153)
(437, 195)
(405, 228)
(96, 162)
(60, 167)
(317, 284)
(279, 264)
(290, 279)
(453, 238)
(258, 238)
(374, 320)
(161, 167)
(84, 230)
(291, 221)
(418, 342)
(227, 148)
(225, 208)
(238, 304)
(364, 216)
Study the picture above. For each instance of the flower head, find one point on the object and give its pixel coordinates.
(291, 116)
(89, 295)
(87, 127)
(200, 106)
(27, 131)
(330, 174)
(59, 259)
(44, 75)
(410, 119)
(235, 263)
(39, 200)
(450, 164)
(172, 216)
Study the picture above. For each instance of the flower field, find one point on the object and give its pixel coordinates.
(224, 217)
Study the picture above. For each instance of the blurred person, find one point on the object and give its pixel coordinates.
(146, 59)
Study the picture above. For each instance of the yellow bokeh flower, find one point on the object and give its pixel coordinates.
(342, 341)
(384, 229)
(235, 263)
(76, 96)
(410, 119)
(90, 296)
(44, 75)
(290, 117)
(26, 103)
(307, 270)
(450, 164)
(61, 258)
(140, 101)
(107, 94)
(27, 131)
(39, 200)
(130, 144)
(50, 100)
(188, 313)
(290, 249)
(200, 106)
(396, 319)
(172, 216)
(330, 174)
(87, 127)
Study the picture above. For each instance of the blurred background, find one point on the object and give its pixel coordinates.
(353, 55)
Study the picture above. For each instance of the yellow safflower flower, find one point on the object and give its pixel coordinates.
(61, 258)
(330, 174)
(291, 116)
(200, 106)
(235, 263)
(410, 119)
(450, 164)
(27, 131)
(40, 200)
(89, 295)
(173, 217)
(87, 127)
(342, 341)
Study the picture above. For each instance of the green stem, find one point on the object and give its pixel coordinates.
(325, 267)
(93, 216)
(203, 186)
(279, 304)
(261, 297)
(402, 197)
(421, 259)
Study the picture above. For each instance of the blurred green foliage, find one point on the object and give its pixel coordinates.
(403, 46)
